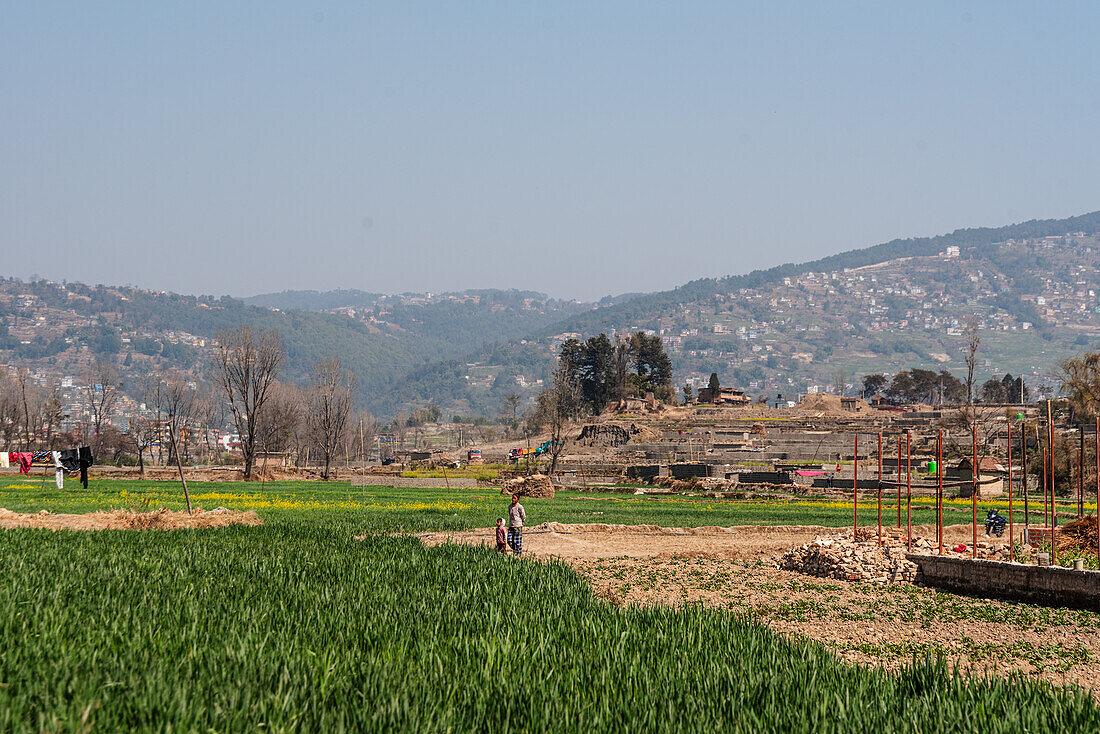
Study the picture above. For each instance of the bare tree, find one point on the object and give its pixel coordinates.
(366, 427)
(143, 433)
(512, 401)
(178, 404)
(179, 410)
(840, 382)
(282, 420)
(26, 397)
(973, 340)
(10, 410)
(555, 408)
(210, 412)
(53, 413)
(328, 405)
(247, 365)
(100, 397)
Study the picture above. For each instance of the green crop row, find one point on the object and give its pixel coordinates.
(297, 626)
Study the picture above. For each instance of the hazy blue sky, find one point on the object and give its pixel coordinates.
(575, 148)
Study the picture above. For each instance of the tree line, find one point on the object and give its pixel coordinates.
(917, 385)
(174, 412)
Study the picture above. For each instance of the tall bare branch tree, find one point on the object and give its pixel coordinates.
(328, 405)
(10, 410)
(179, 411)
(557, 406)
(247, 365)
(281, 422)
(178, 406)
(101, 395)
(26, 397)
(973, 340)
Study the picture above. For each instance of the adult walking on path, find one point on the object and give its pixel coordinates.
(516, 517)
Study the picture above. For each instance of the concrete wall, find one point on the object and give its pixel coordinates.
(420, 483)
(1044, 584)
(686, 471)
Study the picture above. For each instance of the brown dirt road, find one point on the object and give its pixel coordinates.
(125, 520)
(733, 568)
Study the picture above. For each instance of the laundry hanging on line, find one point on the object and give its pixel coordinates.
(23, 459)
(69, 460)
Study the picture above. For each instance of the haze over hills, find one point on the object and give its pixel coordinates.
(791, 329)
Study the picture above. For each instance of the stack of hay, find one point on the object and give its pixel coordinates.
(536, 485)
(1078, 535)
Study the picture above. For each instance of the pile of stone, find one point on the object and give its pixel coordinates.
(840, 557)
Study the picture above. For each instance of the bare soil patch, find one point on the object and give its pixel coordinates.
(867, 623)
(161, 519)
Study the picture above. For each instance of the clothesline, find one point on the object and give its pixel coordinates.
(69, 460)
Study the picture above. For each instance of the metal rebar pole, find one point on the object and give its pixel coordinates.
(880, 488)
(1011, 546)
(1081, 471)
(1053, 507)
(974, 492)
(899, 482)
(1045, 513)
(939, 488)
(1027, 509)
(908, 492)
(855, 488)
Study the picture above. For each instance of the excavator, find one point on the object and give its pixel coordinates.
(518, 453)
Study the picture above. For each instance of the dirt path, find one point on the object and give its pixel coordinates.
(125, 520)
(732, 568)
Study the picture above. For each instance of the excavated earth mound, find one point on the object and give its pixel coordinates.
(161, 519)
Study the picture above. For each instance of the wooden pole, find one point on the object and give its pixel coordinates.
(1011, 546)
(974, 493)
(179, 466)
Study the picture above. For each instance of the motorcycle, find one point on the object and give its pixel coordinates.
(995, 523)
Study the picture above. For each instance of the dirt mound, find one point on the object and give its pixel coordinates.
(823, 403)
(161, 519)
(536, 485)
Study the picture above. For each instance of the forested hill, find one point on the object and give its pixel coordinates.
(896, 305)
(644, 307)
(314, 300)
(58, 329)
(792, 328)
